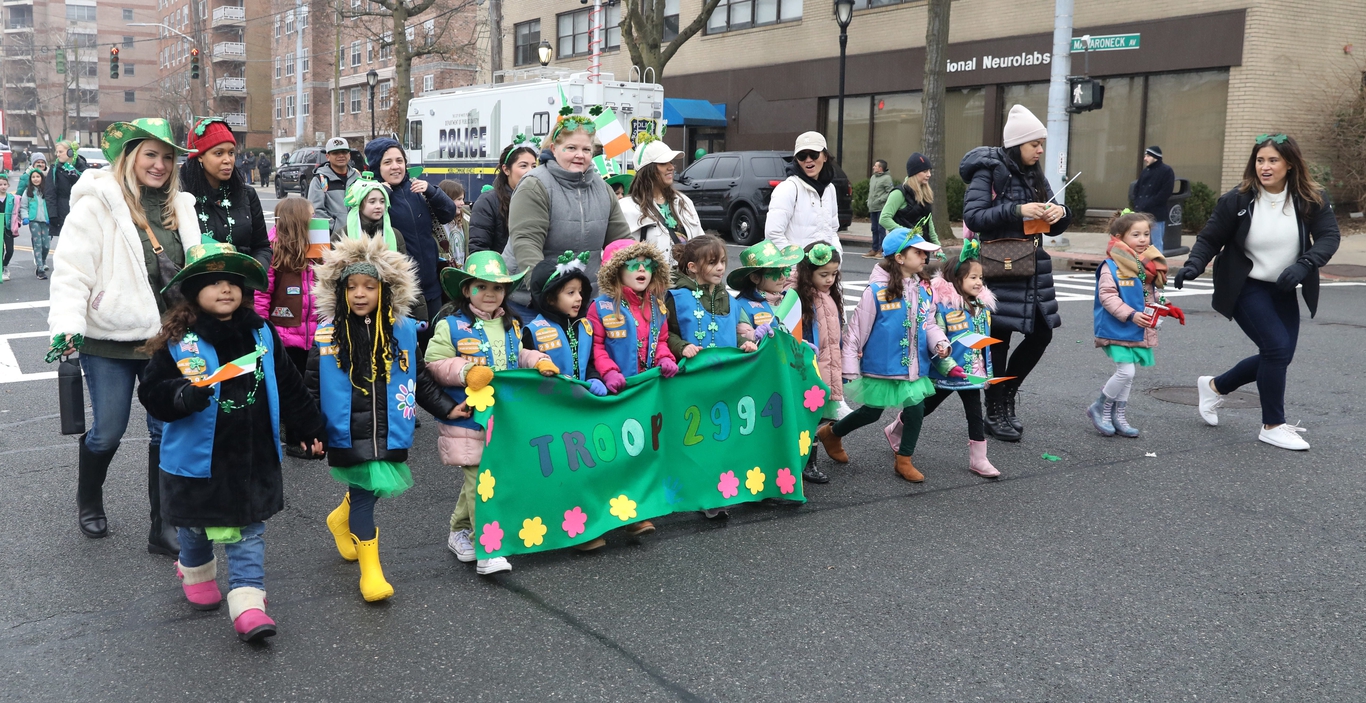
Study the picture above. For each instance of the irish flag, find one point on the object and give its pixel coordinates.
(790, 312)
(232, 369)
(606, 168)
(614, 140)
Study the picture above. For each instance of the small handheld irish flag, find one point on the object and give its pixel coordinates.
(319, 237)
(609, 132)
(605, 167)
(237, 367)
(790, 312)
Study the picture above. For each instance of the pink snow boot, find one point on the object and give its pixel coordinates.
(248, 609)
(977, 459)
(200, 586)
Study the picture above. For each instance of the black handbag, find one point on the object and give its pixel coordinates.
(71, 396)
(167, 269)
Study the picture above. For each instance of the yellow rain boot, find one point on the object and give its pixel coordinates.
(339, 522)
(372, 584)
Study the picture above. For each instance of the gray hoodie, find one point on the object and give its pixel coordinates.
(327, 192)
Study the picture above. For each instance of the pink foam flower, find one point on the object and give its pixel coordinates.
(492, 538)
(814, 399)
(574, 521)
(786, 481)
(729, 485)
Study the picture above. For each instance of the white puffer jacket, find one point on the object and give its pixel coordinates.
(798, 215)
(99, 285)
(645, 228)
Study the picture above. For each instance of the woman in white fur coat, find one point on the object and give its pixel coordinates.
(106, 298)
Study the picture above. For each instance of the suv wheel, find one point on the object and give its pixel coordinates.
(280, 193)
(744, 227)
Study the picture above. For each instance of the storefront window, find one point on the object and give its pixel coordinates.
(856, 163)
(963, 118)
(898, 128)
(1105, 145)
(1034, 96)
(1186, 113)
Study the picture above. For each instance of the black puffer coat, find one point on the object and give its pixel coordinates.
(1018, 300)
(242, 220)
(59, 192)
(244, 485)
(913, 211)
(488, 227)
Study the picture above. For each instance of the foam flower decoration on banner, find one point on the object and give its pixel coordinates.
(623, 507)
(814, 398)
(481, 399)
(804, 443)
(754, 480)
(574, 520)
(492, 537)
(729, 485)
(786, 481)
(532, 532)
(486, 484)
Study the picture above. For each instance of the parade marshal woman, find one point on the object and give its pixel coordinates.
(1271, 233)
(228, 209)
(127, 233)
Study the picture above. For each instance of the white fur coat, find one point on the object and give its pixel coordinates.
(99, 285)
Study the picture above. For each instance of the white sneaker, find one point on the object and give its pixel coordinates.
(6, 276)
(460, 545)
(492, 566)
(842, 410)
(1210, 401)
(1284, 436)
(713, 513)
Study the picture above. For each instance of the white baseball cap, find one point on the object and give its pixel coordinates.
(809, 141)
(655, 152)
(337, 144)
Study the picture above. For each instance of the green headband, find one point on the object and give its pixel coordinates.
(521, 141)
(972, 249)
(1277, 138)
(364, 267)
(820, 254)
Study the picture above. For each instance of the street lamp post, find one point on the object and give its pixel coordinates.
(545, 53)
(844, 13)
(371, 78)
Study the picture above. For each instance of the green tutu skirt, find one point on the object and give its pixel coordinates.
(385, 479)
(1142, 356)
(887, 392)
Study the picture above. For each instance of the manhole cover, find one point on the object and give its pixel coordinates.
(1188, 395)
(1345, 270)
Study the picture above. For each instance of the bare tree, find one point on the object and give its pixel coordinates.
(643, 27)
(936, 46)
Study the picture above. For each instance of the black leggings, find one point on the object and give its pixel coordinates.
(9, 244)
(362, 513)
(912, 416)
(1027, 352)
(972, 407)
(300, 359)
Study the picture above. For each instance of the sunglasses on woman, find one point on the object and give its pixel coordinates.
(808, 155)
(640, 265)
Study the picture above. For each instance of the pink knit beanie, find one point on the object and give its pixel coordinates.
(1022, 126)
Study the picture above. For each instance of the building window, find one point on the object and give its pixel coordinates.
(355, 53)
(303, 18)
(670, 20)
(385, 101)
(277, 108)
(289, 106)
(341, 102)
(127, 17)
(128, 69)
(355, 100)
(82, 13)
(289, 22)
(572, 34)
(731, 15)
(83, 41)
(428, 83)
(289, 64)
(127, 42)
(386, 46)
(130, 96)
(277, 26)
(307, 100)
(527, 36)
(88, 69)
(277, 66)
(203, 9)
(369, 51)
(305, 61)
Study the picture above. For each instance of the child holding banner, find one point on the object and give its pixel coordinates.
(561, 328)
(220, 462)
(467, 348)
(702, 314)
(818, 286)
(368, 377)
(886, 349)
(760, 282)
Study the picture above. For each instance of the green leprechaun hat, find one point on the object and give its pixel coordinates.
(217, 257)
(480, 266)
(120, 134)
(761, 256)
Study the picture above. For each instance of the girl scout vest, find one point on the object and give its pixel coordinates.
(187, 444)
(619, 334)
(572, 359)
(758, 311)
(287, 300)
(400, 399)
(1132, 292)
(956, 323)
(887, 351)
(697, 326)
(472, 345)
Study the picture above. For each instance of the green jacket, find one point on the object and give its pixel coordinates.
(880, 185)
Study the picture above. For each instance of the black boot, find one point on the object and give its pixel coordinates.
(161, 539)
(813, 473)
(1012, 388)
(90, 475)
(997, 425)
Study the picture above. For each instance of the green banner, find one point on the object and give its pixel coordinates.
(562, 466)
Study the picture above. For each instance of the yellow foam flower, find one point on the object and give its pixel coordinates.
(623, 507)
(481, 399)
(532, 532)
(803, 444)
(754, 480)
(486, 483)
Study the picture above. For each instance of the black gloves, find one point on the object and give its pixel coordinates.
(1293, 275)
(192, 399)
(1184, 273)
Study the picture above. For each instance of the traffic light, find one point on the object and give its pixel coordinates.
(61, 61)
(194, 64)
(113, 62)
(1085, 94)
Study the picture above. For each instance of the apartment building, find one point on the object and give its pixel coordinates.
(41, 37)
(1199, 80)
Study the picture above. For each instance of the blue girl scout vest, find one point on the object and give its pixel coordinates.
(956, 323)
(551, 339)
(400, 393)
(758, 312)
(187, 444)
(472, 345)
(1132, 293)
(697, 326)
(887, 351)
(619, 334)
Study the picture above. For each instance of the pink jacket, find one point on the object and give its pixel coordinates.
(828, 359)
(601, 360)
(860, 324)
(464, 446)
(300, 337)
(945, 294)
(1113, 304)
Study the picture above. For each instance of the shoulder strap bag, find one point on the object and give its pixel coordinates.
(167, 270)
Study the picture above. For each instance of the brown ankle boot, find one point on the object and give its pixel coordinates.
(906, 470)
(834, 448)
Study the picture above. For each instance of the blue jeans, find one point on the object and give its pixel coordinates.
(111, 401)
(1157, 230)
(246, 559)
(1271, 319)
(879, 232)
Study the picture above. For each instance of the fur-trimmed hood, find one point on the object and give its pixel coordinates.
(396, 271)
(945, 293)
(609, 276)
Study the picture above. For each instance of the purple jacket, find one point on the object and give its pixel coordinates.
(860, 324)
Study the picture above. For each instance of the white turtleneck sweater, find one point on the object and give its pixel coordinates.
(1273, 240)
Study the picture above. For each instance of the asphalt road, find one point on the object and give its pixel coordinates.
(1221, 568)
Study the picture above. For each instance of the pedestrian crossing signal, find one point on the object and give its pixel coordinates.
(194, 64)
(1085, 94)
(113, 62)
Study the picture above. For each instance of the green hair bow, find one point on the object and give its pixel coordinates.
(820, 254)
(1277, 138)
(972, 249)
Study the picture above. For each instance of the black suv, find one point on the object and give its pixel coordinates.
(295, 173)
(730, 191)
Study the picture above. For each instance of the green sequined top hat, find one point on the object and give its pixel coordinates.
(120, 134)
(624, 179)
(480, 266)
(217, 257)
(761, 256)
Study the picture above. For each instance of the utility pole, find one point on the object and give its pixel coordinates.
(495, 39)
(298, 74)
(336, 75)
(1055, 169)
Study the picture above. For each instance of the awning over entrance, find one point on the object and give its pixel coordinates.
(694, 113)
